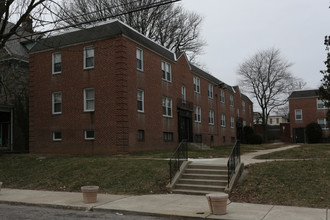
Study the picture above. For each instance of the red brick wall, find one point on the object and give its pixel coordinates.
(116, 120)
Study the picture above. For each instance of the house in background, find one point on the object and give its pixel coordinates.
(275, 120)
(306, 107)
(109, 89)
(14, 82)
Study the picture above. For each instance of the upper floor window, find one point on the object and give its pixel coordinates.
(243, 106)
(222, 96)
(57, 63)
(139, 59)
(57, 103)
(298, 114)
(211, 117)
(197, 85)
(89, 57)
(183, 94)
(231, 100)
(140, 100)
(198, 114)
(232, 122)
(223, 120)
(89, 100)
(166, 71)
(320, 104)
(167, 107)
(210, 91)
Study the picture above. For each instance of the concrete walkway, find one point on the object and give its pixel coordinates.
(168, 205)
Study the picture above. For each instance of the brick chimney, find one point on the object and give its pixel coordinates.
(27, 24)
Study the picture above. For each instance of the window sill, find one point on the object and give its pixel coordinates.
(56, 113)
(166, 116)
(56, 73)
(88, 68)
(89, 111)
(57, 140)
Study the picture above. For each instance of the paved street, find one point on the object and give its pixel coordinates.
(13, 212)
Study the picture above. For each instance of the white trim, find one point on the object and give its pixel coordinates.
(295, 114)
(53, 63)
(56, 139)
(198, 114)
(140, 90)
(197, 84)
(167, 101)
(85, 100)
(85, 56)
(211, 117)
(210, 91)
(164, 66)
(89, 138)
(53, 103)
(141, 54)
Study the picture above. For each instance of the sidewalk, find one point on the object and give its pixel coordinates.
(168, 205)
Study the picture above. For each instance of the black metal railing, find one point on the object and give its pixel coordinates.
(234, 159)
(184, 104)
(179, 156)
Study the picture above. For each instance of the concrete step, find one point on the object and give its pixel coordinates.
(210, 167)
(204, 176)
(206, 171)
(203, 182)
(192, 192)
(200, 187)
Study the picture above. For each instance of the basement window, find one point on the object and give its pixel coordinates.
(89, 135)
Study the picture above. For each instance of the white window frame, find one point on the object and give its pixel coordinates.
(197, 85)
(231, 100)
(89, 138)
(232, 122)
(139, 58)
(222, 96)
(324, 124)
(167, 105)
(211, 117)
(244, 123)
(183, 94)
(198, 114)
(87, 100)
(140, 100)
(85, 57)
(166, 71)
(53, 63)
(223, 120)
(320, 102)
(53, 103)
(301, 115)
(54, 136)
(243, 106)
(210, 91)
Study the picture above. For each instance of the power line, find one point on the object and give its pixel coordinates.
(100, 19)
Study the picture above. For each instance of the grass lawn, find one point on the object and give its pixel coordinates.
(307, 151)
(69, 173)
(294, 183)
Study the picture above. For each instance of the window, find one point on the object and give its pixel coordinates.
(210, 91)
(222, 96)
(270, 121)
(197, 85)
(166, 71)
(231, 100)
(88, 57)
(139, 59)
(223, 120)
(57, 63)
(320, 104)
(211, 117)
(298, 114)
(183, 94)
(322, 122)
(198, 114)
(89, 100)
(167, 107)
(232, 122)
(168, 136)
(140, 100)
(277, 120)
(57, 136)
(243, 106)
(198, 138)
(57, 103)
(244, 123)
(89, 135)
(140, 135)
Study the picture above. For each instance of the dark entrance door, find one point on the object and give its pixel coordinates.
(185, 125)
(299, 135)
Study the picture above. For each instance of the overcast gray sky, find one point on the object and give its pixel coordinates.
(237, 29)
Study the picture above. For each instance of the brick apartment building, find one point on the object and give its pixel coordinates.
(109, 89)
(306, 107)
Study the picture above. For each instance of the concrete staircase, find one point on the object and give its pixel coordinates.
(200, 179)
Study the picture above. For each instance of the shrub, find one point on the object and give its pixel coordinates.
(247, 131)
(255, 139)
(313, 133)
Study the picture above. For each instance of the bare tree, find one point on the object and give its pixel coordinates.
(169, 25)
(267, 78)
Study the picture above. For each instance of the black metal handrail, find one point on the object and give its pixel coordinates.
(179, 156)
(234, 159)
